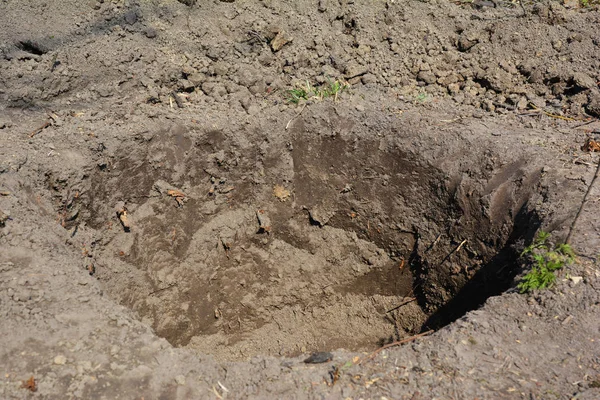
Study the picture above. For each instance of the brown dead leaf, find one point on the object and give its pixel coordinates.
(29, 384)
(591, 145)
(281, 193)
(280, 40)
(179, 196)
(175, 193)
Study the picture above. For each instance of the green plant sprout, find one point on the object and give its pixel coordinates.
(306, 91)
(546, 260)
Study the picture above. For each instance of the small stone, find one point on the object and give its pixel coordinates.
(576, 279)
(368, 78)
(576, 37)
(280, 40)
(466, 42)
(180, 379)
(454, 88)
(426, 76)
(557, 45)
(584, 81)
(571, 3)
(60, 360)
(196, 78)
(319, 358)
(322, 5)
(131, 17)
(593, 105)
(187, 85)
(150, 32)
(355, 70)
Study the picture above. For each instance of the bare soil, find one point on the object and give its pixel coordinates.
(172, 226)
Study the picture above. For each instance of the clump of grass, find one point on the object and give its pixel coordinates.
(589, 3)
(297, 94)
(306, 91)
(546, 260)
(422, 97)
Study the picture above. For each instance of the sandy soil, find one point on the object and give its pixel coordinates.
(172, 226)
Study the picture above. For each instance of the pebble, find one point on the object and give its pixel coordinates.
(150, 32)
(180, 379)
(131, 17)
(60, 360)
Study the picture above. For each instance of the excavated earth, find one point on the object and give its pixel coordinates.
(172, 226)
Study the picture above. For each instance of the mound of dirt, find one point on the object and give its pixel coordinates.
(174, 224)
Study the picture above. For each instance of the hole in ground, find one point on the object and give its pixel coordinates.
(239, 249)
(31, 47)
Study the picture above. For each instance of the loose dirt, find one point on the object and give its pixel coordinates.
(172, 226)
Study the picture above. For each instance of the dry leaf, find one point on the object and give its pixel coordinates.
(281, 193)
(175, 193)
(30, 384)
(179, 196)
(591, 145)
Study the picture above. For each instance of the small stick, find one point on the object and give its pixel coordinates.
(295, 116)
(396, 343)
(41, 128)
(585, 123)
(454, 251)
(550, 114)
(585, 196)
(461, 245)
(410, 300)
(162, 289)
(437, 239)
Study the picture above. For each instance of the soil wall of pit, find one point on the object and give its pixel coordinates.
(306, 242)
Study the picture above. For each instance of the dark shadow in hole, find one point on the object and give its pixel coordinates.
(32, 47)
(493, 278)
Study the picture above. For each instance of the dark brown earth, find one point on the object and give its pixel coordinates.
(172, 226)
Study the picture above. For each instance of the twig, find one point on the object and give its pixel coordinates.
(217, 393)
(294, 117)
(589, 189)
(457, 248)
(162, 289)
(41, 128)
(223, 387)
(437, 239)
(585, 123)
(461, 245)
(550, 114)
(396, 343)
(402, 304)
